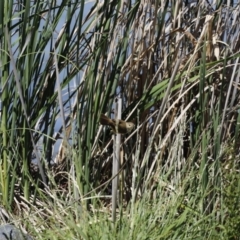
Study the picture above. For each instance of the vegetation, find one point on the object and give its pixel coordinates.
(174, 66)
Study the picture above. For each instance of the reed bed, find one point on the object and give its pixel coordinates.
(175, 67)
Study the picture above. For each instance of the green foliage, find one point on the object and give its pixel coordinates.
(231, 197)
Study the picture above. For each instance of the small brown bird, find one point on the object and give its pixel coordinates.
(117, 125)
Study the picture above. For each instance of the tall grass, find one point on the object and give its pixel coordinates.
(175, 67)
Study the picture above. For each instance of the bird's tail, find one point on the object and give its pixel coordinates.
(104, 120)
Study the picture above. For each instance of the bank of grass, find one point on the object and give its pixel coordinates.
(163, 219)
(185, 210)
